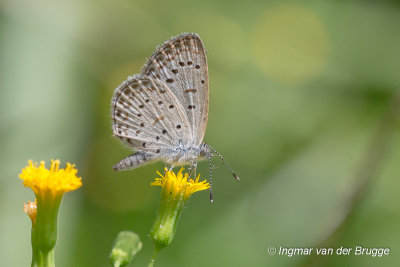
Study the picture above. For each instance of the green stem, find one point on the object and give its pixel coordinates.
(153, 258)
(43, 259)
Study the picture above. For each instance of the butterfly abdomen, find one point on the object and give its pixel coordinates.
(134, 161)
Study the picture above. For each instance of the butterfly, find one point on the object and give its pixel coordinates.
(162, 112)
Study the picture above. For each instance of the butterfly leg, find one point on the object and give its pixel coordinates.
(167, 169)
(192, 169)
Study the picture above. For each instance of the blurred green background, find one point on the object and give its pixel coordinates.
(297, 93)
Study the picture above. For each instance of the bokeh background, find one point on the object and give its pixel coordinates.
(300, 106)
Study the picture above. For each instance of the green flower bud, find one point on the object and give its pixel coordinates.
(126, 245)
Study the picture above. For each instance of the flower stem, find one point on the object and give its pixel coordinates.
(153, 257)
(43, 259)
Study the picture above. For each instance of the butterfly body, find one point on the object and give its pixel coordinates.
(185, 155)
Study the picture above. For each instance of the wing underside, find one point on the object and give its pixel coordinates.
(147, 116)
(181, 64)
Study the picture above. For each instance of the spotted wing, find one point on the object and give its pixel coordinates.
(147, 116)
(182, 64)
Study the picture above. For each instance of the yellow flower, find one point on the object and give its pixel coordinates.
(175, 192)
(55, 181)
(49, 186)
(179, 183)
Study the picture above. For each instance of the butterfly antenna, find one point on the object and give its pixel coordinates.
(226, 164)
(210, 155)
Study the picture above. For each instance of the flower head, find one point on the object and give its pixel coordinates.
(49, 186)
(52, 181)
(180, 184)
(176, 190)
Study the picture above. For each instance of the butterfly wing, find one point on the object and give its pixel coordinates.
(182, 64)
(147, 116)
